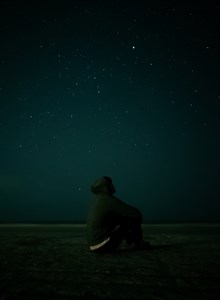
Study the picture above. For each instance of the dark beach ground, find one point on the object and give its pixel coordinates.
(53, 262)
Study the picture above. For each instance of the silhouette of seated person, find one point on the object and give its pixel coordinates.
(110, 220)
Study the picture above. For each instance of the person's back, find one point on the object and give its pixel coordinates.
(101, 219)
(110, 215)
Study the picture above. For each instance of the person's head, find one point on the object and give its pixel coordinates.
(103, 185)
(111, 185)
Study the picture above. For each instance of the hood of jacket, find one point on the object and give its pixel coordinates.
(101, 185)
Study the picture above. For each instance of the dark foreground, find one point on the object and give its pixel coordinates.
(53, 262)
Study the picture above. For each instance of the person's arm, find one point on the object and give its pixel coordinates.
(124, 209)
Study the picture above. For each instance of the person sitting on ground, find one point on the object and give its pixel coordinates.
(110, 220)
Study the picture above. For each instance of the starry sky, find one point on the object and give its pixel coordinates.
(126, 89)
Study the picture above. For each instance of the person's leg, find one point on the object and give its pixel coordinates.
(132, 230)
(134, 235)
(129, 229)
(117, 235)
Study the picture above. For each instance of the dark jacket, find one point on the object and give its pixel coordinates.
(106, 213)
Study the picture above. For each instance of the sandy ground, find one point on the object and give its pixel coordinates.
(53, 262)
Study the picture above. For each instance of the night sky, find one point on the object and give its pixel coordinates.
(126, 89)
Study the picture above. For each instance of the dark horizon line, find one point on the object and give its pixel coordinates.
(84, 222)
